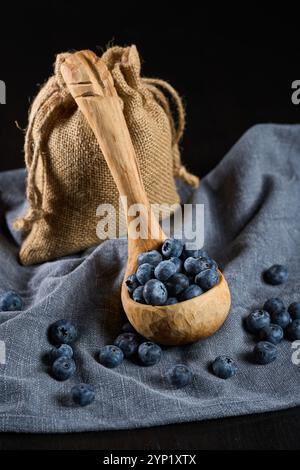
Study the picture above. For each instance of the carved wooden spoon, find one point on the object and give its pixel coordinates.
(91, 84)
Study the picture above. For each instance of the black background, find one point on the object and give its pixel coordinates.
(233, 68)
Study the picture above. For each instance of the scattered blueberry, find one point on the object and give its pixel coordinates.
(63, 332)
(83, 394)
(282, 318)
(111, 356)
(138, 294)
(273, 305)
(165, 270)
(10, 302)
(207, 279)
(258, 320)
(177, 284)
(171, 301)
(63, 368)
(64, 350)
(294, 310)
(128, 343)
(265, 352)
(155, 292)
(152, 257)
(224, 367)
(145, 272)
(132, 283)
(172, 247)
(272, 334)
(293, 330)
(276, 275)
(149, 353)
(179, 376)
(178, 263)
(128, 328)
(191, 292)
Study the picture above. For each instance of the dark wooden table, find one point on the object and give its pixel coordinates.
(270, 431)
(232, 74)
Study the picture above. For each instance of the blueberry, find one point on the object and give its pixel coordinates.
(274, 305)
(144, 273)
(164, 270)
(132, 283)
(293, 330)
(265, 352)
(194, 266)
(151, 257)
(63, 332)
(224, 367)
(294, 310)
(64, 350)
(179, 376)
(63, 368)
(128, 343)
(191, 279)
(83, 394)
(194, 254)
(282, 318)
(172, 247)
(177, 284)
(212, 263)
(258, 320)
(155, 292)
(272, 333)
(207, 279)
(138, 295)
(10, 302)
(111, 356)
(191, 292)
(178, 263)
(202, 254)
(276, 275)
(128, 328)
(149, 353)
(171, 301)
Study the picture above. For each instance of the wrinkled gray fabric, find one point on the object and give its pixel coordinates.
(251, 222)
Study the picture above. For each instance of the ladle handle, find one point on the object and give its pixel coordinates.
(92, 87)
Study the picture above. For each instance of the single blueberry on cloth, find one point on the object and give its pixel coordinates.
(83, 394)
(224, 367)
(10, 302)
(63, 368)
(179, 376)
(111, 356)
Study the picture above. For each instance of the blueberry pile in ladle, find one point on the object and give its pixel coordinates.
(173, 275)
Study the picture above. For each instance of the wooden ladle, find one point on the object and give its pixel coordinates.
(91, 85)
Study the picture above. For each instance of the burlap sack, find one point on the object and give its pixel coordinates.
(68, 177)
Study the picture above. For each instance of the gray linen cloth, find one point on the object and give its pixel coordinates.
(252, 203)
